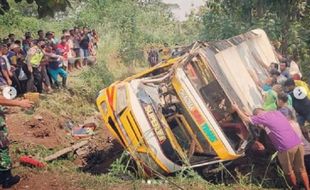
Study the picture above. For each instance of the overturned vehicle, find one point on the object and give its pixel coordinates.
(178, 114)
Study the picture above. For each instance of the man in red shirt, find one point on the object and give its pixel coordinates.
(63, 50)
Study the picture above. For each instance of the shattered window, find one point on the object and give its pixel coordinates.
(121, 99)
(216, 100)
(198, 73)
(204, 81)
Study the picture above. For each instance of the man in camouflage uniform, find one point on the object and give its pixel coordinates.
(6, 178)
(5, 161)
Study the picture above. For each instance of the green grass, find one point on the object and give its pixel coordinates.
(71, 107)
(119, 176)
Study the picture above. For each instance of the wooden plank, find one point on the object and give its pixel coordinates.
(65, 151)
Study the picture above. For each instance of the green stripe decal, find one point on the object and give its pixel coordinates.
(209, 133)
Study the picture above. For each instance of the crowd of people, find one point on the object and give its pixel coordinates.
(33, 64)
(284, 116)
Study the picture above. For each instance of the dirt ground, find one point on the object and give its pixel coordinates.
(44, 128)
(41, 128)
(53, 181)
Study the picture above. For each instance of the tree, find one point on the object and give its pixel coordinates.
(285, 21)
(45, 7)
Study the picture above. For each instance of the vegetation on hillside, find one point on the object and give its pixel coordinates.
(135, 25)
(286, 22)
(44, 7)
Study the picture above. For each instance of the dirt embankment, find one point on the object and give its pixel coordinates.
(46, 129)
(46, 180)
(42, 128)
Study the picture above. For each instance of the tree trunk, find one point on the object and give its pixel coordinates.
(285, 17)
(260, 8)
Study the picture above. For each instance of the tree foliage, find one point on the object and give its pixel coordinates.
(134, 24)
(15, 22)
(137, 24)
(285, 21)
(44, 7)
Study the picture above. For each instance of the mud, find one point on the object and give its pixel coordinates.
(101, 153)
(42, 128)
(46, 129)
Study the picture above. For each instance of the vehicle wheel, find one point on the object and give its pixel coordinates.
(215, 173)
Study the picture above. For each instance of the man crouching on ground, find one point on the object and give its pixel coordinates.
(6, 178)
(284, 139)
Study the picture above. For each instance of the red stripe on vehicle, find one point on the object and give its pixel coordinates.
(198, 117)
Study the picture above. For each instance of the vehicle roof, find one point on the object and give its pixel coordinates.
(231, 59)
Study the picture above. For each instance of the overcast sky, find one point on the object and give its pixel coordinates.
(185, 7)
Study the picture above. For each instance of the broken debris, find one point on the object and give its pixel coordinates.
(65, 151)
(28, 160)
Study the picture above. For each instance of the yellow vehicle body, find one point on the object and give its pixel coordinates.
(177, 114)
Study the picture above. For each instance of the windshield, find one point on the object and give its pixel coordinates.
(178, 138)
